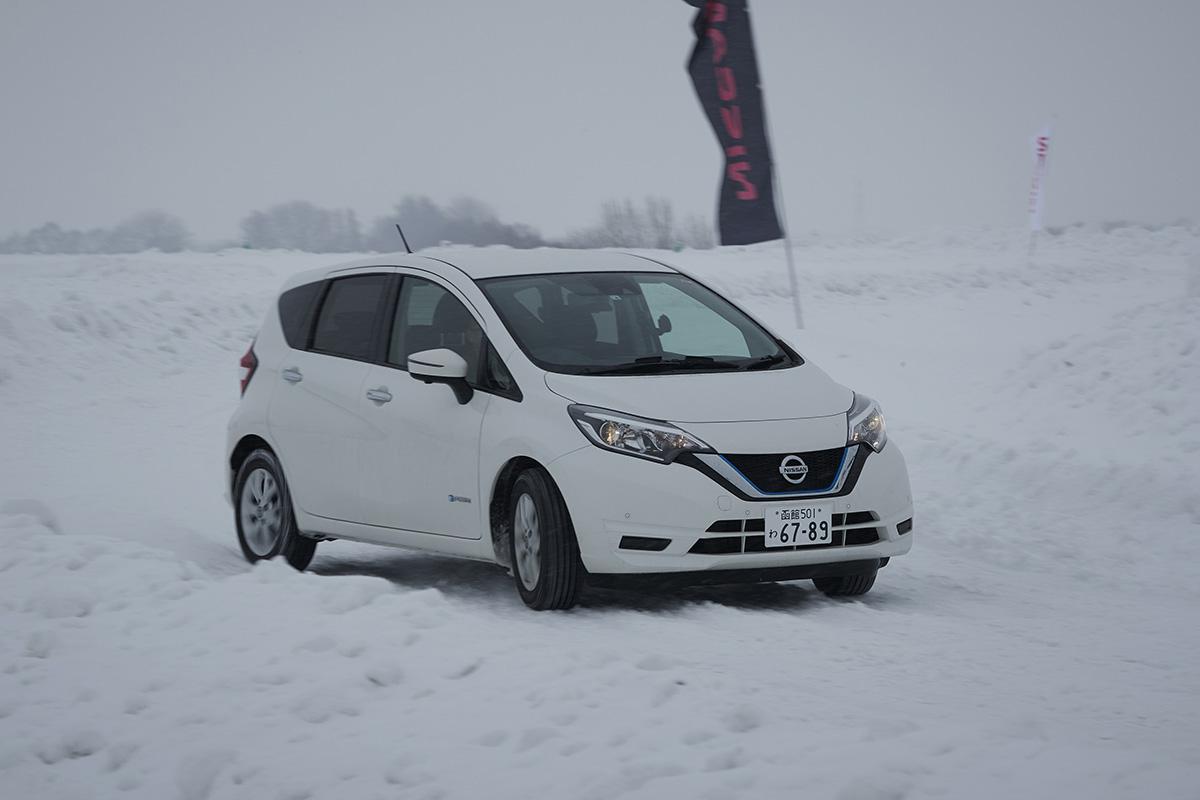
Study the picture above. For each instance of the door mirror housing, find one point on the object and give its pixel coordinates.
(437, 365)
(442, 366)
(664, 324)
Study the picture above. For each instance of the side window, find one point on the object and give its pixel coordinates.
(296, 307)
(696, 329)
(429, 317)
(346, 322)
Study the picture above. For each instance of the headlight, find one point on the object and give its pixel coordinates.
(865, 423)
(634, 436)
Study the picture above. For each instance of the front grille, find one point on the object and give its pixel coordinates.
(758, 544)
(764, 470)
(841, 536)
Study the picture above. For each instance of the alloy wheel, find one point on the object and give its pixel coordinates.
(528, 542)
(261, 512)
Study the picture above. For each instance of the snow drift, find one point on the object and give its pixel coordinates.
(1040, 640)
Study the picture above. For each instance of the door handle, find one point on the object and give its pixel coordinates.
(379, 395)
(291, 375)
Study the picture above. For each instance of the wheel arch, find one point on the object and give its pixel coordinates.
(242, 450)
(499, 502)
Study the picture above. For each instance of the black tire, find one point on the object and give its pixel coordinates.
(847, 585)
(269, 529)
(559, 573)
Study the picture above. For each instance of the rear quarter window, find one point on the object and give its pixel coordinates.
(296, 309)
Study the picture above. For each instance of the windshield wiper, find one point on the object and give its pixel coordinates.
(766, 362)
(649, 365)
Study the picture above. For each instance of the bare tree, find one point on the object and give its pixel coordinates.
(623, 224)
(149, 230)
(660, 223)
(697, 233)
(465, 220)
(302, 226)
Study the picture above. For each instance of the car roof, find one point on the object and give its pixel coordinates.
(494, 262)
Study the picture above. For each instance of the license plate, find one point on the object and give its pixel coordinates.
(799, 526)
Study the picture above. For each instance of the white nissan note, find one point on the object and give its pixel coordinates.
(582, 418)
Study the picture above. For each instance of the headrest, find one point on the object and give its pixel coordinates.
(572, 325)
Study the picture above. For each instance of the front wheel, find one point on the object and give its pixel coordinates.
(544, 552)
(266, 526)
(847, 585)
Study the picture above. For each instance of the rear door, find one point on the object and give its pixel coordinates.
(420, 472)
(316, 414)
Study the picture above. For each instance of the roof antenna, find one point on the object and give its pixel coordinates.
(406, 247)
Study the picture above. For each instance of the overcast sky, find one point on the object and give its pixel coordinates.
(543, 108)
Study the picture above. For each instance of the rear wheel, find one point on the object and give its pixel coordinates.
(545, 555)
(847, 585)
(266, 526)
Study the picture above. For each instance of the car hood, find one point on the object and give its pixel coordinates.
(796, 393)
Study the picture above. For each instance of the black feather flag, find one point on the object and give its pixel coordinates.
(724, 71)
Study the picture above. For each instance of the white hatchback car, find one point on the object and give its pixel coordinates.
(579, 417)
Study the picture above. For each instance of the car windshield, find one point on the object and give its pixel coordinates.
(630, 323)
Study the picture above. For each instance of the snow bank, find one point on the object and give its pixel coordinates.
(1038, 642)
(128, 671)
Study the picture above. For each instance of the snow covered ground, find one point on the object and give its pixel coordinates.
(1041, 640)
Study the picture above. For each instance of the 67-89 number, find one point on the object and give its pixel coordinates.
(812, 532)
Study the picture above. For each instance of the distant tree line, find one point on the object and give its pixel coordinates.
(300, 225)
(149, 230)
(464, 221)
(304, 226)
(652, 225)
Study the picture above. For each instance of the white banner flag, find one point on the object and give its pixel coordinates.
(1037, 193)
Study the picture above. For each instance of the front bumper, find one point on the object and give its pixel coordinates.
(613, 497)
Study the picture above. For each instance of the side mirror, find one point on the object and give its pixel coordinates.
(664, 324)
(442, 366)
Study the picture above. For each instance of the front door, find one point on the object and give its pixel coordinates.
(420, 465)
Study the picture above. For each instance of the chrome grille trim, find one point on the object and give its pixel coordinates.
(719, 465)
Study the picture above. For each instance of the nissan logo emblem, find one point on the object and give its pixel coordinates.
(793, 469)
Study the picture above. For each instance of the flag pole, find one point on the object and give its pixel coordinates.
(1037, 198)
(793, 280)
(787, 249)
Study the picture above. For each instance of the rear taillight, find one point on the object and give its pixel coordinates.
(249, 363)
